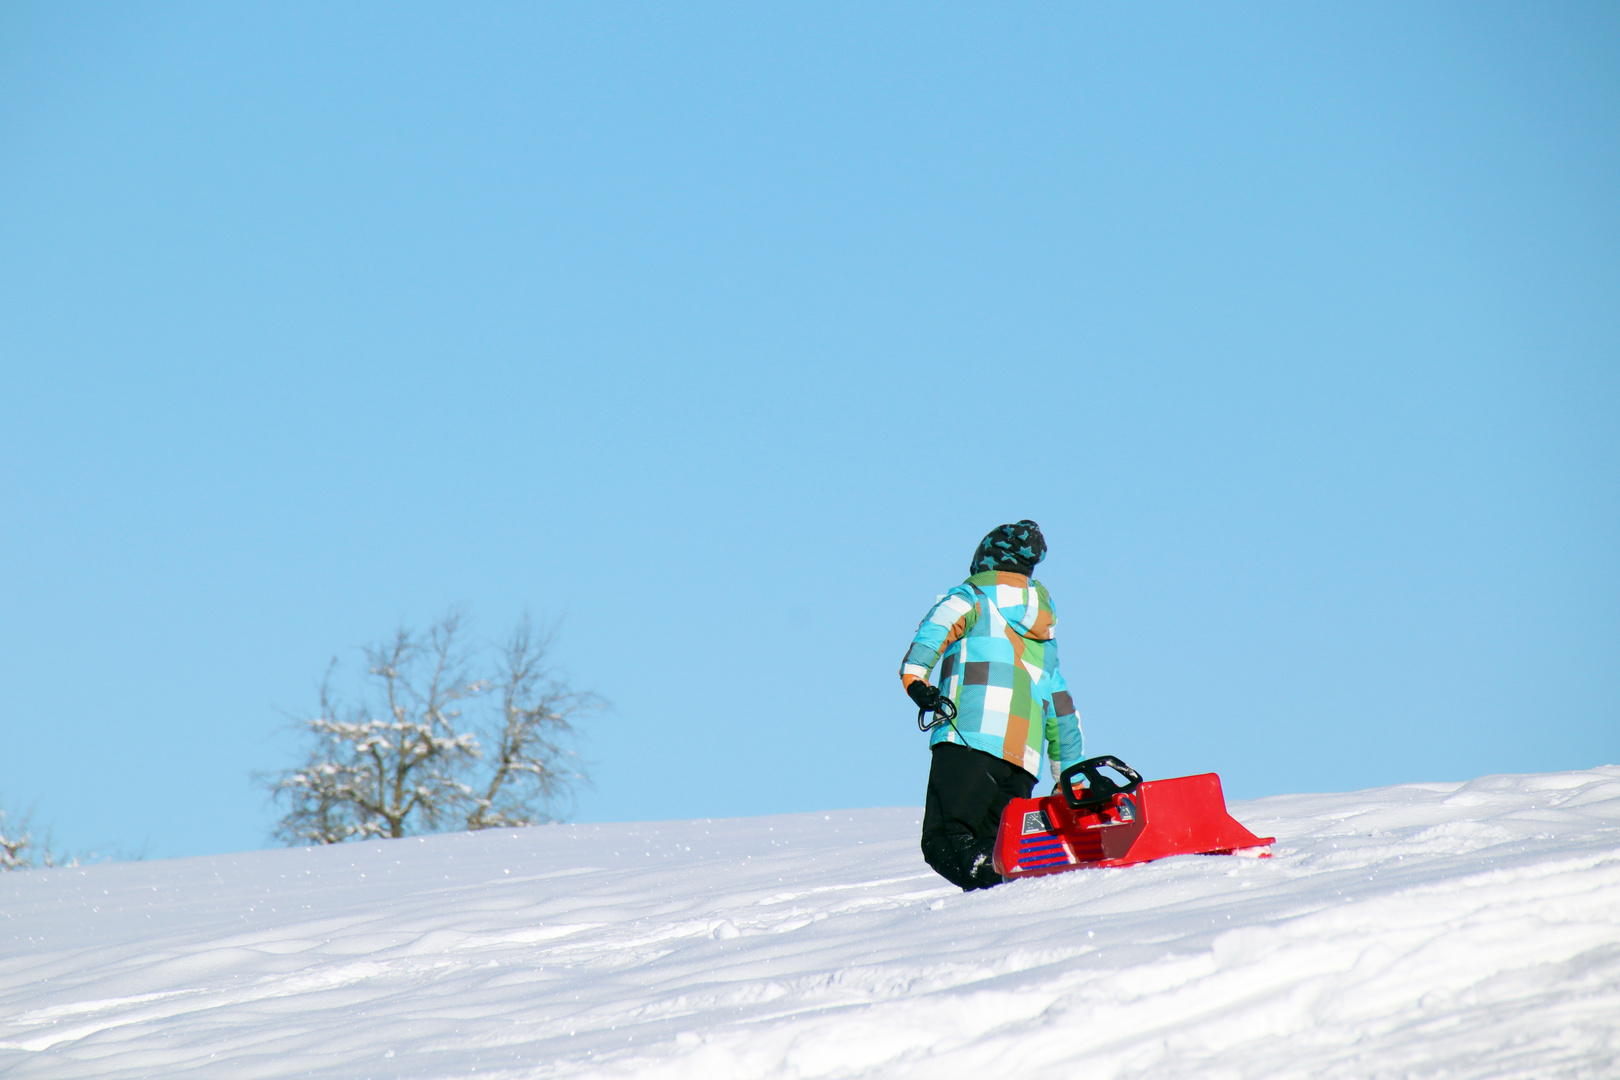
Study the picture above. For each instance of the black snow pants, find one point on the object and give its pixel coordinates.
(967, 791)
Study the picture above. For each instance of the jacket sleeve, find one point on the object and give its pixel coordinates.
(1063, 742)
(951, 616)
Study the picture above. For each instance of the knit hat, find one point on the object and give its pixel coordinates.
(1015, 548)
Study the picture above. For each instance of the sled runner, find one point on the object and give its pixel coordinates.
(1105, 823)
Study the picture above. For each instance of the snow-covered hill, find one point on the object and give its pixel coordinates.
(1427, 930)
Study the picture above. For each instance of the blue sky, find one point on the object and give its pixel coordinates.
(724, 333)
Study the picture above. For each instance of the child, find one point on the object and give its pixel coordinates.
(1000, 670)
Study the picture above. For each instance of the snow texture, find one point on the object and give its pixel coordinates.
(1427, 930)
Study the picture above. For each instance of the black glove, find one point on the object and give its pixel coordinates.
(926, 697)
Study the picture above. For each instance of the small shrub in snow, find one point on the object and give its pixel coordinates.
(16, 843)
(21, 850)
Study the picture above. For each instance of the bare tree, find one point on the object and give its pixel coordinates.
(20, 849)
(16, 843)
(404, 759)
(528, 765)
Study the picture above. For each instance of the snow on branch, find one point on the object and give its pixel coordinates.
(440, 736)
(20, 849)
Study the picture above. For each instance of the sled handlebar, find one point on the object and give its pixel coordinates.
(1099, 788)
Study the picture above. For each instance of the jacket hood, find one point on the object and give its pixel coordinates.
(1021, 602)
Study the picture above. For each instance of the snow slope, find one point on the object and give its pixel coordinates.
(1450, 930)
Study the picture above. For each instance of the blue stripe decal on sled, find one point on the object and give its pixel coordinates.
(1043, 852)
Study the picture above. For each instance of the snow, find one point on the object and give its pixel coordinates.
(1426, 930)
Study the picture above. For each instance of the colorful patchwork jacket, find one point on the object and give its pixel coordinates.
(1000, 668)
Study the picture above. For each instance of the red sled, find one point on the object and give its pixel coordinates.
(1106, 823)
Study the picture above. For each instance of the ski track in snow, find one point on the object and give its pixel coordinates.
(1425, 930)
